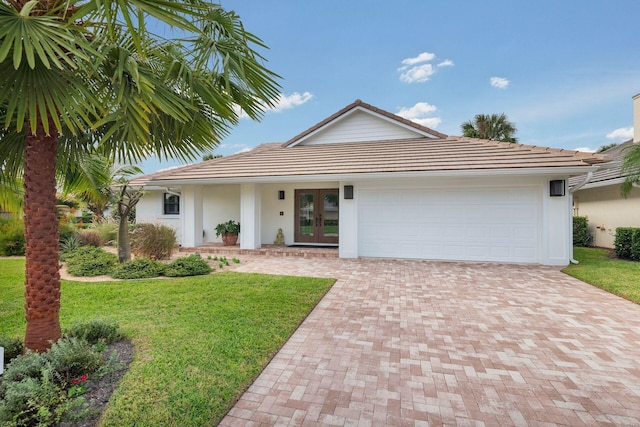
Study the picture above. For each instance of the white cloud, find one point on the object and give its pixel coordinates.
(284, 102)
(420, 69)
(430, 122)
(419, 73)
(621, 134)
(419, 110)
(585, 149)
(418, 114)
(244, 150)
(499, 82)
(423, 57)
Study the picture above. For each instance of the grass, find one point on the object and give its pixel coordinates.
(620, 277)
(200, 341)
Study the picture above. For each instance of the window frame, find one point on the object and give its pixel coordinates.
(170, 207)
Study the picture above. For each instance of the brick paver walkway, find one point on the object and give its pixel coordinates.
(412, 343)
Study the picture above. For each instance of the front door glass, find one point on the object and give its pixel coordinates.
(306, 215)
(317, 215)
(330, 214)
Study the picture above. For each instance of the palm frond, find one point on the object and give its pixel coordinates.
(630, 168)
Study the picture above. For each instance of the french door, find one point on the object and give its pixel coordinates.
(317, 213)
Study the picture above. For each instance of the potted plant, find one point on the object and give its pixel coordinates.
(229, 231)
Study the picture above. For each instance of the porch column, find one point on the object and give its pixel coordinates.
(250, 216)
(191, 216)
(348, 223)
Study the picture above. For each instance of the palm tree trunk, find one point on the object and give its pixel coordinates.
(42, 284)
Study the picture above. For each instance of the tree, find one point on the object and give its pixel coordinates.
(102, 184)
(495, 127)
(86, 75)
(127, 199)
(92, 181)
(210, 156)
(606, 147)
(630, 168)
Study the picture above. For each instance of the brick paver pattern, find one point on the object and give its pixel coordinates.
(418, 343)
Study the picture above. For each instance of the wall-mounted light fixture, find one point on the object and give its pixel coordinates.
(556, 187)
(348, 192)
(281, 195)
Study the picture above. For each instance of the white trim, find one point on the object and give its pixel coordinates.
(599, 184)
(575, 170)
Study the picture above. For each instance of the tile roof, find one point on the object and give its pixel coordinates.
(407, 155)
(616, 155)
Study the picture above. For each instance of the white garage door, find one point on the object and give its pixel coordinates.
(454, 224)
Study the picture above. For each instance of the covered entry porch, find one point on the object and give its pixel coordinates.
(308, 213)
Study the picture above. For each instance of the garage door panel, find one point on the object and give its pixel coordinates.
(480, 225)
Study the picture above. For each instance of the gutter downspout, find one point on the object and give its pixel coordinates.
(582, 184)
(571, 191)
(169, 191)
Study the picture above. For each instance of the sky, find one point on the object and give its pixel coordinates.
(563, 71)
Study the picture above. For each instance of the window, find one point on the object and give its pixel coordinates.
(171, 204)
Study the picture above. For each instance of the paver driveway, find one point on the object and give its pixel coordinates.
(429, 343)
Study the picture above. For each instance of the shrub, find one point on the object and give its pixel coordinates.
(581, 236)
(12, 347)
(11, 237)
(138, 269)
(635, 244)
(95, 331)
(35, 401)
(154, 241)
(623, 242)
(66, 230)
(72, 357)
(69, 245)
(40, 388)
(108, 231)
(90, 261)
(89, 237)
(192, 265)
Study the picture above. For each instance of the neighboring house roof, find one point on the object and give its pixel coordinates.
(421, 150)
(609, 176)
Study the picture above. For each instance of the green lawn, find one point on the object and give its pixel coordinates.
(199, 341)
(617, 276)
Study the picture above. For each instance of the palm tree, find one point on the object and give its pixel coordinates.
(86, 75)
(630, 168)
(495, 127)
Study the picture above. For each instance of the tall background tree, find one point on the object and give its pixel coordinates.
(81, 76)
(631, 168)
(495, 127)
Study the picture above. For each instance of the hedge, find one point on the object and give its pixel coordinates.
(627, 243)
(581, 236)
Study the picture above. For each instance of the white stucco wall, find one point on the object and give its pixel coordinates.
(149, 209)
(220, 203)
(606, 210)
